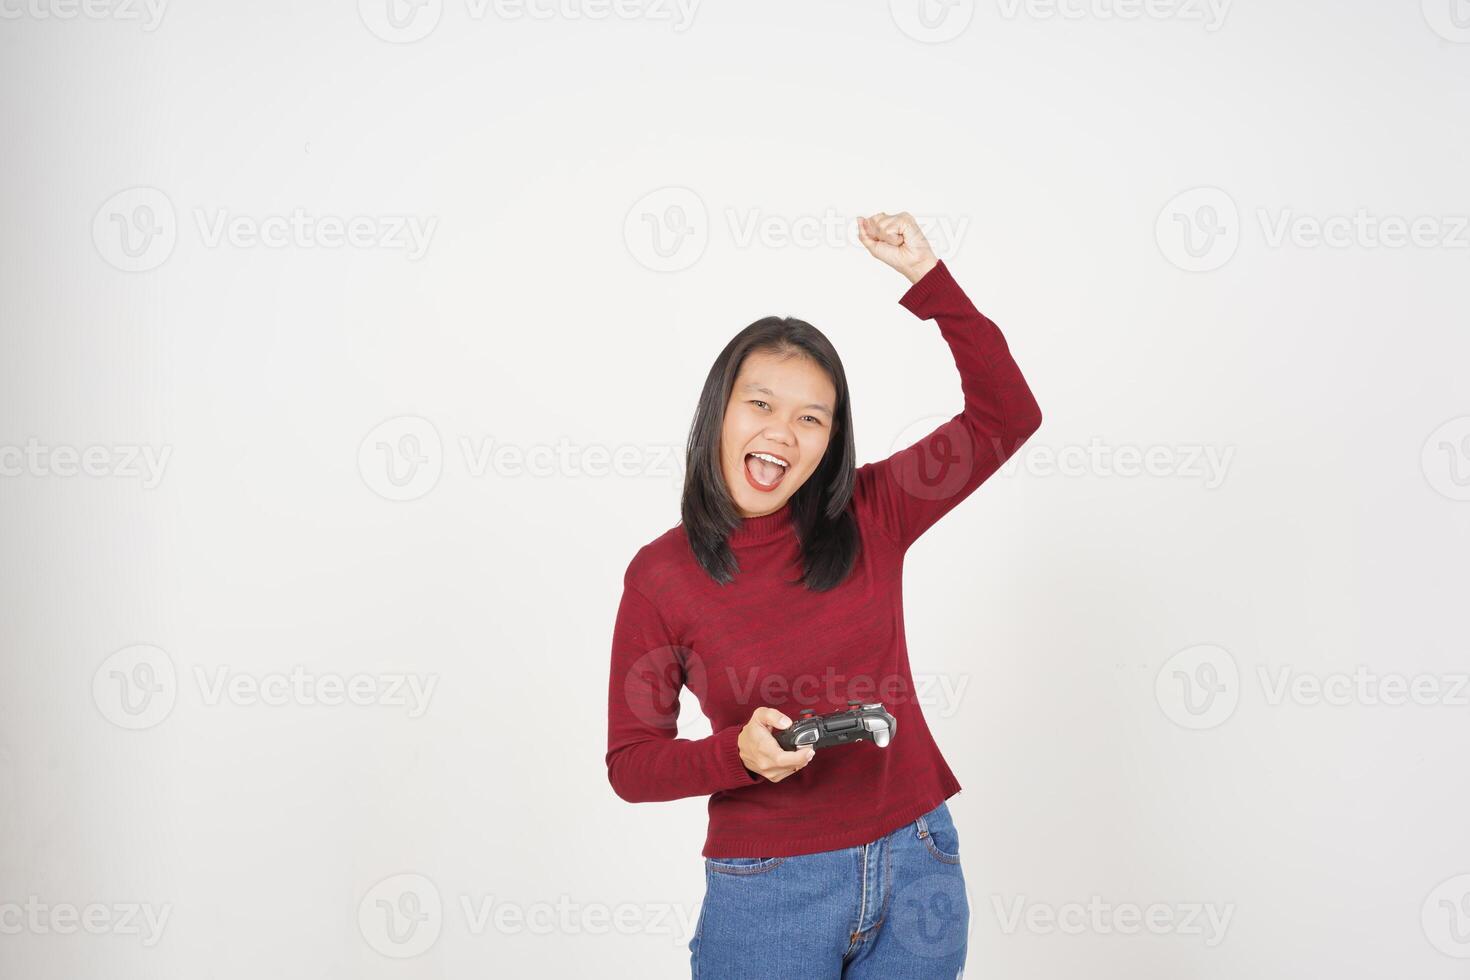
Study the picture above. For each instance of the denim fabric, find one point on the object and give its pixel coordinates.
(893, 909)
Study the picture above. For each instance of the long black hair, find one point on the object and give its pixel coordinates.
(819, 509)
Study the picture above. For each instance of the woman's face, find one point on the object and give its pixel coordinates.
(780, 406)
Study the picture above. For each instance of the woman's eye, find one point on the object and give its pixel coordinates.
(757, 401)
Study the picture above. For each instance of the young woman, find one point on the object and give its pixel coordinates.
(781, 590)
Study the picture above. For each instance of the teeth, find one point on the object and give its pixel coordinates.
(769, 459)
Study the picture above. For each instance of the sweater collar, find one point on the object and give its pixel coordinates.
(755, 529)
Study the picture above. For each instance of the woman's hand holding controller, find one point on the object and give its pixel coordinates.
(760, 752)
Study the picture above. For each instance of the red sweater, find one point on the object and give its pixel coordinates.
(762, 640)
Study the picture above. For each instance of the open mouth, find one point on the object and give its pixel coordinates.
(765, 471)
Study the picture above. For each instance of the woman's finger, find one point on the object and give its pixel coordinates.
(795, 759)
(871, 239)
(871, 234)
(890, 230)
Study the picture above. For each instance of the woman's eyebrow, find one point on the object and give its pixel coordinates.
(753, 386)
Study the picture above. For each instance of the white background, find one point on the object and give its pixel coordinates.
(1068, 154)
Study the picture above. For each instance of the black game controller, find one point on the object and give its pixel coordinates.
(861, 722)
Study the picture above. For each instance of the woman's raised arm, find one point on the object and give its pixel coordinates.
(917, 485)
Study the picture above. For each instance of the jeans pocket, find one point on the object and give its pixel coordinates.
(937, 830)
(743, 865)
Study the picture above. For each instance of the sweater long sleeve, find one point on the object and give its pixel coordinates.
(916, 486)
(646, 761)
(766, 640)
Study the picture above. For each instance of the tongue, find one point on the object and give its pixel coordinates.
(766, 473)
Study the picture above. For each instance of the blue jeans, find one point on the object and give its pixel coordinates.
(893, 909)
